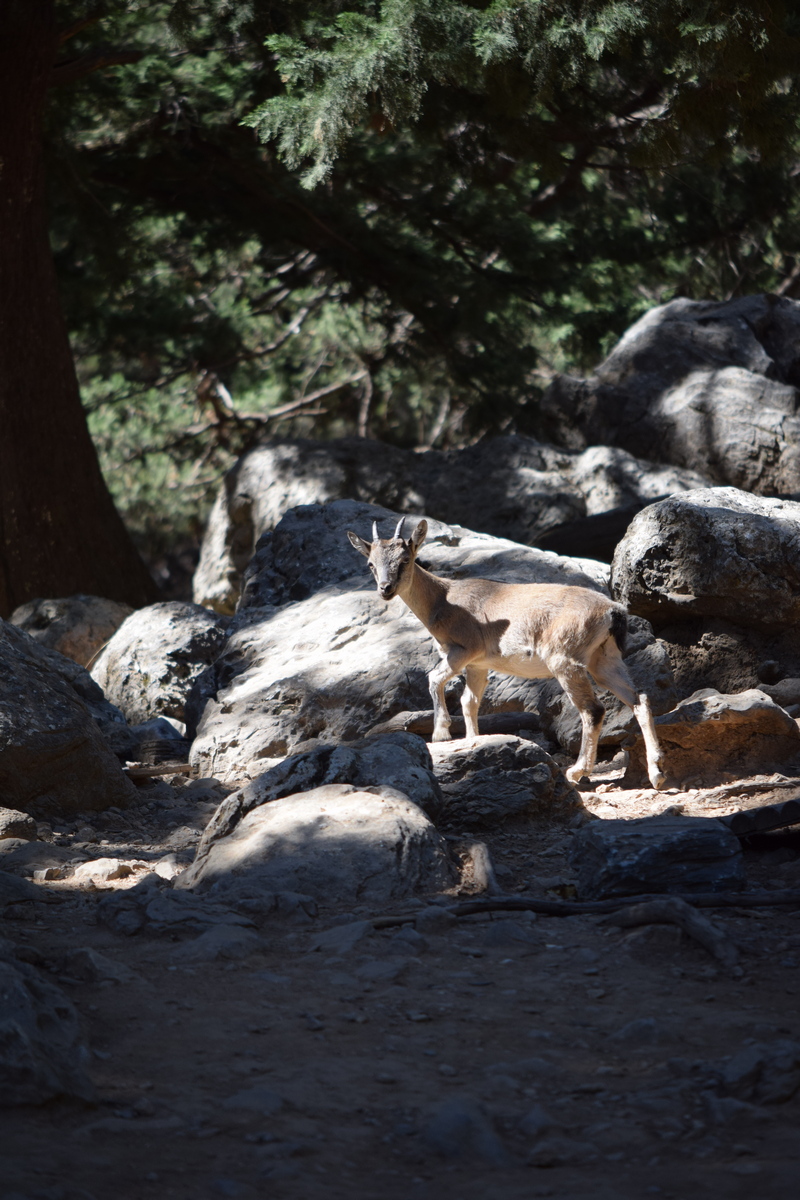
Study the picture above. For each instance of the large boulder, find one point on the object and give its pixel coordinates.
(705, 386)
(499, 779)
(157, 657)
(399, 760)
(711, 738)
(717, 572)
(76, 626)
(652, 855)
(53, 757)
(315, 653)
(511, 487)
(334, 842)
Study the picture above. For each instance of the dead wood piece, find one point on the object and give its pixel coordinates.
(148, 770)
(478, 862)
(572, 908)
(671, 910)
(422, 723)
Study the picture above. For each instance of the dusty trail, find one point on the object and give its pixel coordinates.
(508, 1056)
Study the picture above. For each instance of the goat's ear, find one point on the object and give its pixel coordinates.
(419, 535)
(361, 546)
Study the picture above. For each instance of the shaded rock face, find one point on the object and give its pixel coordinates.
(156, 659)
(76, 626)
(717, 571)
(511, 487)
(341, 660)
(53, 757)
(489, 781)
(709, 387)
(335, 840)
(14, 824)
(41, 1053)
(651, 855)
(709, 737)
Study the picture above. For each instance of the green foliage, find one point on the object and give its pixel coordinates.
(396, 217)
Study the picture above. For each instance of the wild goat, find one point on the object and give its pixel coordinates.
(533, 630)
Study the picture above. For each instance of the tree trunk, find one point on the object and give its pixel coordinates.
(59, 530)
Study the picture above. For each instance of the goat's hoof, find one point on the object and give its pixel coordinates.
(575, 774)
(441, 735)
(658, 779)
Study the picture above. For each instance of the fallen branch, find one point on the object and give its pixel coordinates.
(147, 771)
(572, 908)
(671, 910)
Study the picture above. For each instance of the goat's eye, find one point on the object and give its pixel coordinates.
(372, 567)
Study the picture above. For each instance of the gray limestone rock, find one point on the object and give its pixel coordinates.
(76, 626)
(715, 552)
(654, 855)
(710, 387)
(459, 1128)
(397, 760)
(489, 780)
(335, 840)
(511, 487)
(717, 571)
(157, 658)
(767, 1073)
(41, 1051)
(53, 757)
(220, 942)
(15, 824)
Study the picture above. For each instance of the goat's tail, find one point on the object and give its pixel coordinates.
(619, 627)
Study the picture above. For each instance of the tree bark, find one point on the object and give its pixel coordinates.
(59, 530)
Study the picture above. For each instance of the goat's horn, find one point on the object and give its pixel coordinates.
(398, 531)
(375, 531)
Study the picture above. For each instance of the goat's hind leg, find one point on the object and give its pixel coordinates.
(610, 672)
(575, 681)
(471, 698)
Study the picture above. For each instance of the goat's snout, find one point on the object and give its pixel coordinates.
(386, 590)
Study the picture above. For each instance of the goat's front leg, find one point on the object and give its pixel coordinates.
(453, 663)
(437, 678)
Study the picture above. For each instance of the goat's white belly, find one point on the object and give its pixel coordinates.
(526, 665)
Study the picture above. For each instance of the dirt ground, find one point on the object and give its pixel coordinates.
(507, 1056)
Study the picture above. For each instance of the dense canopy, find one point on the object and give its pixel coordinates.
(393, 218)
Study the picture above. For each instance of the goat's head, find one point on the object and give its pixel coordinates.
(391, 560)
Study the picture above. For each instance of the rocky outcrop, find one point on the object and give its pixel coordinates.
(17, 825)
(710, 738)
(53, 757)
(511, 487)
(705, 386)
(41, 1051)
(156, 659)
(398, 760)
(490, 781)
(76, 626)
(652, 855)
(339, 660)
(334, 841)
(717, 571)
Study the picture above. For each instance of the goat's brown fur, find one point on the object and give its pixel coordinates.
(532, 630)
